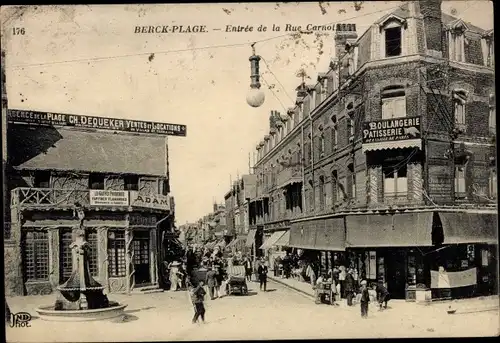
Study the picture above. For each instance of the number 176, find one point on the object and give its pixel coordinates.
(18, 31)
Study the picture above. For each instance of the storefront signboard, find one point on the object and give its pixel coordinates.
(153, 201)
(102, 123)
(391, 130)
(108, 198)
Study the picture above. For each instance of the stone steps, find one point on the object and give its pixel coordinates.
(147, 289)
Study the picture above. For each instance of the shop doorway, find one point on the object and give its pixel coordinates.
(140, 244)
(396, 274)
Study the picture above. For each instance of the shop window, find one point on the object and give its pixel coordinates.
(460, 190)
(92, 252)
(493, 183)
(321, 190)
(393, 41)
(459, 100)
(393, 103)
(369, 265)
(396, 182)
(131, 183)
(456, 43)
(96, 181)
(352, 181)
(42, 179)
(65, 254)
(116, 253)
(36, 255)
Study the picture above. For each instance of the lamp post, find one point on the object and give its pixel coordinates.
(255, 96)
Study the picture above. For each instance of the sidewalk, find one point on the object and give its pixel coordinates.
(462, 305)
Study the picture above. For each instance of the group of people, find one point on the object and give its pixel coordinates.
(350, 289)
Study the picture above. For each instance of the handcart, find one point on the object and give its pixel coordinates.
(236, 283)
(325, 293)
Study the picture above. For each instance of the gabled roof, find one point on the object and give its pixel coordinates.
(452, 21)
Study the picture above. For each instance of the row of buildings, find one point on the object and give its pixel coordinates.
(387, 163)
(117, 171)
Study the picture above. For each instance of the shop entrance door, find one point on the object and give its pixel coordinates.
(396, 274)
(141, 260)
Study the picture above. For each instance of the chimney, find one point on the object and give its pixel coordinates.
(430, 10)
(344, 33)
(215, 207)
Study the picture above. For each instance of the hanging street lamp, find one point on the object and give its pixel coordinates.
(255, 96)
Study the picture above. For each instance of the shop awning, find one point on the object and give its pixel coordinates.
(234, 242)
(284, 241)
(398, 230)
(271, 241)
(302, 235)
(220, 243)
(460, 227)
(407, 143)
(330, 234)
(250, 237)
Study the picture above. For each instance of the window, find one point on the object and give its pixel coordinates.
(96, 181)
(301, 112)
(131, 183)
(296, 119)
(36, 255)
(350, 121)
(334, 133)
(459, 99)
(492, 120)
(395, 182)
(335, 187)
(456, 43)
(393, 41)
(322, 144)
(321, 190)
(312, 102)
(493, 183)
(352, 180)
(92, 252)
(163, 187)
(116, 253)
(65, 254)
(393, 103)
(460, 190)
(324, 89)
(141, 251)
(490, 60)
(42, 179)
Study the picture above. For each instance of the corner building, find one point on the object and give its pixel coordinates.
(122, 182)
(396, 144)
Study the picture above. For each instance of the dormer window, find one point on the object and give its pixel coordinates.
(352, 58)
(488, 46)
(335, 80)
(459, 100)
(392, 36)
(456, 43)
(312, 100)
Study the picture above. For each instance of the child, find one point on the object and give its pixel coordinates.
(223, 285)
(365, 299)
(382, 295)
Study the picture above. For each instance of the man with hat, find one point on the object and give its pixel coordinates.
(349, 286)
(365, 299)
(262, 272)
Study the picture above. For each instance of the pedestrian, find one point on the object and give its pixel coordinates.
(211, 280)
(248, 269)
(262, 272)
(365, 299)
(349, 287)
(223, 286)
(219, 277)
(382, 295)
(197, 298)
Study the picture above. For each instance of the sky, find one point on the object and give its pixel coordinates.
(87, 59)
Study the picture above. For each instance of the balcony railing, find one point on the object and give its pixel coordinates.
(63, 198)
(400, 198)
(49, 197)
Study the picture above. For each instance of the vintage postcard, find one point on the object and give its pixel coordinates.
(249, 171)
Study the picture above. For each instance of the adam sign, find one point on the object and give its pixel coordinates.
(391, 130)
(154, 201)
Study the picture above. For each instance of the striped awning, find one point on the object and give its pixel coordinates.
(250, 237)
(271, 241)
(284, 240)
(234, 242)
(407, 143)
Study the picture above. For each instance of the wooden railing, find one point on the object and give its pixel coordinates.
(49, 197)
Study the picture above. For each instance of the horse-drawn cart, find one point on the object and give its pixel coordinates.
(236, 283)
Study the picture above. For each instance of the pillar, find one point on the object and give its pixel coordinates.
(54, 257)
(153, 253)
(102, 255)
(415, 171)
(374, 175)
(13, 273)
(129, 260)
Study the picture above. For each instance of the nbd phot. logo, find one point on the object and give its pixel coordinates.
(20, 320)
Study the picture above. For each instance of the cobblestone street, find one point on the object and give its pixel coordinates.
(280, 313)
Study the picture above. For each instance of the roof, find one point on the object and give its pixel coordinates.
(68, 149)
